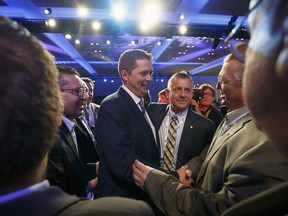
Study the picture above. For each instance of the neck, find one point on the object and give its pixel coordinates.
(203, 107)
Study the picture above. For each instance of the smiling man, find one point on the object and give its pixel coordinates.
(193, 132)
(123, 130)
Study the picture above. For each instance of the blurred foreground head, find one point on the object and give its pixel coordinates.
(30, 106)
(266, 70)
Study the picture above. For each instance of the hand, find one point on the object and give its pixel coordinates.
(93, 183)
(140, 172)
(196, 106)
(185, 175)
(97, 168)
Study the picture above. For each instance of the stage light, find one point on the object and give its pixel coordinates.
(181, 16)
(68, 36)
(183, 29)
(108, 42)
(50, 22)
(215, 43)
(134, 42)
(160, 42)
(48, 11)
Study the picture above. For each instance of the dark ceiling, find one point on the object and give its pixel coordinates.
(206, 21)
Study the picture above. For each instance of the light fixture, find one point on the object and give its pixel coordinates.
(50, 22)
(181, 16)
(108, 42)
(68, 36)
(48, 11)
(134, 42)
(215, 43)
(182, 29)
(96, 25)
(160, 42)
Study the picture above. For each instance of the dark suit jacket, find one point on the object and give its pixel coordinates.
(66, 168)
(197, 134)
(95, 109)
(53, 201)
(123, 136)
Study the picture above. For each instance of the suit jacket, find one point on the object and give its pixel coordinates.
(196, 136)
(95, 109)
(270, 202)
(241, 164)
(54, 201)
(123, 136)
(66, 168)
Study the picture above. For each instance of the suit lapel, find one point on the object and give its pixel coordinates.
(67, 138)
(215, 146)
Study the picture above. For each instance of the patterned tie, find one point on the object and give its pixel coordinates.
(170, 146)
(141, 103)
(86, 113)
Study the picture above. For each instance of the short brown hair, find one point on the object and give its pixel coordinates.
(30, 102)
(128, 59)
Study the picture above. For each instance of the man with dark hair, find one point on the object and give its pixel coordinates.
(124, 130)
(239, 163)
(30, 116)
(74, 143)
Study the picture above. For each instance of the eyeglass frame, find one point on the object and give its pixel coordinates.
(76, 91)
(228, 41)
(224, 82)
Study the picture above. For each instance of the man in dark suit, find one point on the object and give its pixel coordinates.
(92, 109)
(124, 131)
(265, 91)
(240, 161)
(30, 117)
(72, 161)
(194, 131)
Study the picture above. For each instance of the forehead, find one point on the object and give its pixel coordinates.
(181, 82)
(72, 80)
(228, 68)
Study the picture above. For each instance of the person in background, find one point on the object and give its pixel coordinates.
(266, 79)
(72, 160)
(92, 109)
(193, 133)
(206, 107)
(239, 163)
(31, 110)
(162, 97)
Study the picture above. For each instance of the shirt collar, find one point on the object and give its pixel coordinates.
(132, 95)
(231, 116)
(70, 124)
(23, 192)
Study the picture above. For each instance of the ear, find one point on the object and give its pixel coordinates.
(167, 92)
(282, 64)
(124, 75)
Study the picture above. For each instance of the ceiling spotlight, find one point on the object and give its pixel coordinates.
(160, 42)
(96, 25)
(77, 41)
(182, 29)
(50, 22)
(181, 16)
(68, 36)
(134, 42)
(108, 42)
(48, 11)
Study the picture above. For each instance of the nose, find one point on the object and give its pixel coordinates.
(149, 77)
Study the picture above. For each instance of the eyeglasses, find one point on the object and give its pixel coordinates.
(223, 82)
(207, 94)
(77, 91)
(232, 43)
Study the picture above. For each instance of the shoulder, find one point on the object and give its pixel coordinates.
(157, 107)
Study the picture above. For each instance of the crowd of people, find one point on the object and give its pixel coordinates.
(62, 154)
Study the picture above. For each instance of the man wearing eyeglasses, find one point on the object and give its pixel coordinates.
(72, 161)
(239, 163)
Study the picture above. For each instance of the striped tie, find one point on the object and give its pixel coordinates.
(169, 149)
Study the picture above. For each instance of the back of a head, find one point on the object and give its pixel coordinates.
(30, 102)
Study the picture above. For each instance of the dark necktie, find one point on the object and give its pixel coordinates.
(141, 103)
(170, 146)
